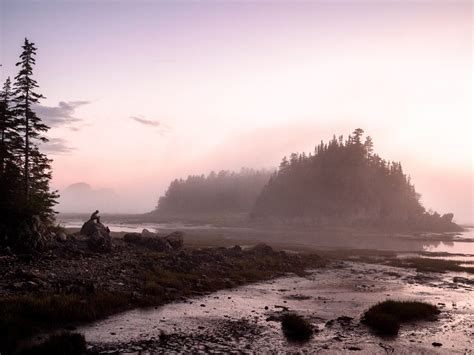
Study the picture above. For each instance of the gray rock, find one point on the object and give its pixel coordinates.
(100, 242)
(61, 237)
(90, 227)
(132, 237)
(176, 239)
(262, 249)
(147, 234)
(156, 244)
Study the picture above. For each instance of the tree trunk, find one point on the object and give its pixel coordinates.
(2, 152)
(27, 149)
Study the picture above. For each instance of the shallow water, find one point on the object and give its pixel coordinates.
(130, 227)
(458, 243)
(466, 258)
(451, 247)
(237, 318)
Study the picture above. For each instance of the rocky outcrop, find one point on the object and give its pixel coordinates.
(33, 235)
(262, 249)
(147, 239)
(133, 238)
(99, 239)
(175, 239)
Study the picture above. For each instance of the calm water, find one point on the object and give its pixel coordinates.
(129, 227)
(462, 243)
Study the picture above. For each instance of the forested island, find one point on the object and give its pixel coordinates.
(225, 191)
(342, 183)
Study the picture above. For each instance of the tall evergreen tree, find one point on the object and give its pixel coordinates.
(31, 125)
(10, 140)
(36, 169)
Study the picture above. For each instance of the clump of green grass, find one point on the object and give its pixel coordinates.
(296, 328)
(60, 344)
(385, 317)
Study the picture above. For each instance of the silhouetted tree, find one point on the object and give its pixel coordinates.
(25, 172)
(9, 137)
(31, 126)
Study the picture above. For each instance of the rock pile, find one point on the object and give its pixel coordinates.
(99, 239)
(170, 242)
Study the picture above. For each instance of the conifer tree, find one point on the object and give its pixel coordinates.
(36, 169)
(31, 125)
(10, 140)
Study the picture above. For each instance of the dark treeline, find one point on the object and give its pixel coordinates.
(26, 202)
(345, 183)
(225, 191)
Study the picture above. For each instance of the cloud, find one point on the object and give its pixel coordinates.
(163, 128)
(145, 121)
(56, 146)
(60, 115)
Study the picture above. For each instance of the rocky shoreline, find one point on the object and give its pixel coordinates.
(76, 282)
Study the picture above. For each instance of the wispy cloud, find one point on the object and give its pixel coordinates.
(145, 121)
(63, 114)
(56, 146)
(162, 127)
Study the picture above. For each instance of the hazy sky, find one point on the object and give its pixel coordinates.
(140, 92)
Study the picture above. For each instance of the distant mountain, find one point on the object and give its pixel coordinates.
(82, 198)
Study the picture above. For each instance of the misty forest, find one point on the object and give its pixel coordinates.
(331, 251)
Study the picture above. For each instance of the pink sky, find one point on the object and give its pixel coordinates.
(242, 84)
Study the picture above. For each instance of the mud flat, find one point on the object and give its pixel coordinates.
(333, 299)
(71, 283)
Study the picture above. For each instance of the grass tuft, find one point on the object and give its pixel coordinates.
(385, 317)
(296, 328)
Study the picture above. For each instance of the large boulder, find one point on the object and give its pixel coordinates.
(100, 242)
(99, 236)
(156, 243)
(61, 237)
(147, 234)
(176, 239)
(90, 227)
(170, 242)
(262, 249)
(132, 237)
(33, 235)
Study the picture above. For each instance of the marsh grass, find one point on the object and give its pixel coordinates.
(385, 317)
(60, 344)
(23, 315)
(159, 277)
